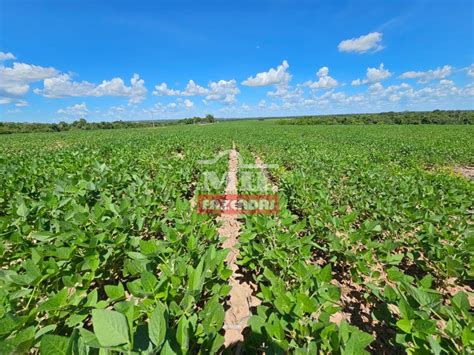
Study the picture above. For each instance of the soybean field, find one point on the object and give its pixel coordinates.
(103, 248)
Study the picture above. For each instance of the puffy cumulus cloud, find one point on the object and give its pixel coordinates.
(375, 88)
(377, 74)
(373, 75)
(77, 110)
(287, 94)
(376, 97)
(193, 89)
(188, 103)
(262, 104)
(63, 86)
(163, 90)
(138, 90)
(15, 81)
(223, 91)
(26, 73)
(278, 76)
(369, 42)
(442, 92)
(325, 81)
(179, 104)
(178, 109)
(426, 76)
(6, 56)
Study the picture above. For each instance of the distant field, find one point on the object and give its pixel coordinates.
(102, 246)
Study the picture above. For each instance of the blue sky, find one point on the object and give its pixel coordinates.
(108, 60)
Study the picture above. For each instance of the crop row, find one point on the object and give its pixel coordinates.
(369, 250)
(100, 248)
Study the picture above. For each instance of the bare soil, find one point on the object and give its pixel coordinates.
(241, 298)
(466, 171)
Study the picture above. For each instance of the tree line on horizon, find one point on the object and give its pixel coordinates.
(82, 124)
(407, 117)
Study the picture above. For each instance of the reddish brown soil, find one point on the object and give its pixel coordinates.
(241, 299)
(466, 171)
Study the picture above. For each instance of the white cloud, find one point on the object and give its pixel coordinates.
(426, 76)
(325, 81)
(188, 103)
(63, 86)
(178, 105)
(5, 101)
(375, 88)
(21, 103)
(15, 101)
(77, 110)
(224, 91)
(373, 75)
(163, 90)
(378, 97)
(362, 44)
(278, 76)
(446, 82)
(138, 90)
(376, 75)
(22, 72)
(6, 56)
(193, 89)
(375, 98)
(287, 94)
(15, 81)
(470, 70)
(262, 103)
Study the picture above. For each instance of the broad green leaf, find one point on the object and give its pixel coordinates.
(53, 345)
(55, 302)
(149, 281)
(405, 325)
(110, 327)
(158, 325)
(182, 334)
(22, 210)
(357, 342)
(115, 292)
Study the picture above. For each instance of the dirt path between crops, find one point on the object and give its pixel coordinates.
(466, 171)
(240, 298)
